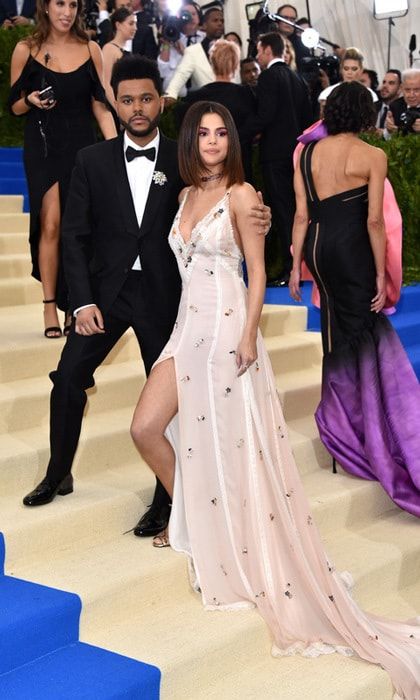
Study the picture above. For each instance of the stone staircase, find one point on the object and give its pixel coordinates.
(136, 599)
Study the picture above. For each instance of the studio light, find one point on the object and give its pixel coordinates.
(384, 9)
(310, 38)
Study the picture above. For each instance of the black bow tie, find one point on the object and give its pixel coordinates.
(132, 153)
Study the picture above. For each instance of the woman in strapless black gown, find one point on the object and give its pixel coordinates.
(369, 414)
(57, 55)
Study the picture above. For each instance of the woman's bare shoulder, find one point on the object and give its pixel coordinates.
(243, 195)
(182, 194)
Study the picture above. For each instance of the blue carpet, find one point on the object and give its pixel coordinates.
(12, 174)
(406, 320)
(42, 659)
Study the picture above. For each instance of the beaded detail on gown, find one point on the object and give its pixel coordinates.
(239, 509)
(369, 414)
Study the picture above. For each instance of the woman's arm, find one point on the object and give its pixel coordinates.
(19, 57)
(375, 222)
(243, 198)
(300, 227)
(102, 115)
(110, 55)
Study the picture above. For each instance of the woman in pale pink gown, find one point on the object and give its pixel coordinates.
(210, 425)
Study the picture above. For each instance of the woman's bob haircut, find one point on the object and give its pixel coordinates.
(191, 166)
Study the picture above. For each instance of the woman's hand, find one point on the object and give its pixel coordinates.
(378, 301)
(33, 99)
(246, 354)
(294, 285)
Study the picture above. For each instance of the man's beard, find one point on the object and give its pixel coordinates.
(153, 123)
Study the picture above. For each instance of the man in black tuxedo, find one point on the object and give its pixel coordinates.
(283, 112)
(119, 268)
(15, 13)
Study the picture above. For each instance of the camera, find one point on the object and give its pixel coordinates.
(330, 64)
(47, 94)
(407, 120)
(173, 26)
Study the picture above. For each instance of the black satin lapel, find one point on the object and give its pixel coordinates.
(123, 190)
(164, 164)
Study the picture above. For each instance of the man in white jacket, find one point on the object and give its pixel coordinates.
(171, 52)
(195, 64)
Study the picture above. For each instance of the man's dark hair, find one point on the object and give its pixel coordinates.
(248, 59)
(396, 71)
(282, 7)
(135, 67)
(210, 12)
(275, 41)
(349, 108)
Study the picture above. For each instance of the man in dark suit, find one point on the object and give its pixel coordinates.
(283, 112)
(15, 13)
(119, 268)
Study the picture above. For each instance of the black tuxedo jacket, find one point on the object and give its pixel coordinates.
(101, 237)
(8, 7)
(283, 111)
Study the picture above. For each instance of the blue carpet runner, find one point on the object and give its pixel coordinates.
(406, 320)
(42, 659)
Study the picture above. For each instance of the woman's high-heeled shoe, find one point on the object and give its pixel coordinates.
(334, 463)
(161, 540)
(52, 331)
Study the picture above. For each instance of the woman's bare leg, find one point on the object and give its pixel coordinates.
(157, 405)
(48, 253)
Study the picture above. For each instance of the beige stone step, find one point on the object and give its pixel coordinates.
(294, 352)
(129, 587)
(11, 203)
(14, 222)
(25, 353)
(13, 243)
(19, 290)
(15, 265)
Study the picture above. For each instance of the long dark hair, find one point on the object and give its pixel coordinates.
(42, 28)
(349, 108)
(191, 166)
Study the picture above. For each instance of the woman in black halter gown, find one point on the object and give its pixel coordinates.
(58, 55)
(369, 414)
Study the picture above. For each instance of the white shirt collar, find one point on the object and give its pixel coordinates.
(152, 144)
(275, 60)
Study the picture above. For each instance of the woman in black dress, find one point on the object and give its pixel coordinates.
(369, 414)
(124, 27)
(60, 56)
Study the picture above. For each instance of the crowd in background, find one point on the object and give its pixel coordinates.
(199, 58)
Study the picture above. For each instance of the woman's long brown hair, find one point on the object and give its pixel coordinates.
(42, 27)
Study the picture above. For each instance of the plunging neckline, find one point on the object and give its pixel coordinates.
(178, 233)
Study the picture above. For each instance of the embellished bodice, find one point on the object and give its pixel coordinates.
(211, 238)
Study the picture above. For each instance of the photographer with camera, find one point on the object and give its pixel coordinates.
(404, 114)
(176, 34)
(195, 63)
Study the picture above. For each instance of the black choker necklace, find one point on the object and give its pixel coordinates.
(209, 178)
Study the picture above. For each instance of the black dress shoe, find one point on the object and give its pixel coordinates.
(154, 521)
(47, 490)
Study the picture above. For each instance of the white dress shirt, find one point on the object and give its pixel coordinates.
(139, 172)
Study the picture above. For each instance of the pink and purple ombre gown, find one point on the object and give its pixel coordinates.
(239, 510)
(369, 414)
